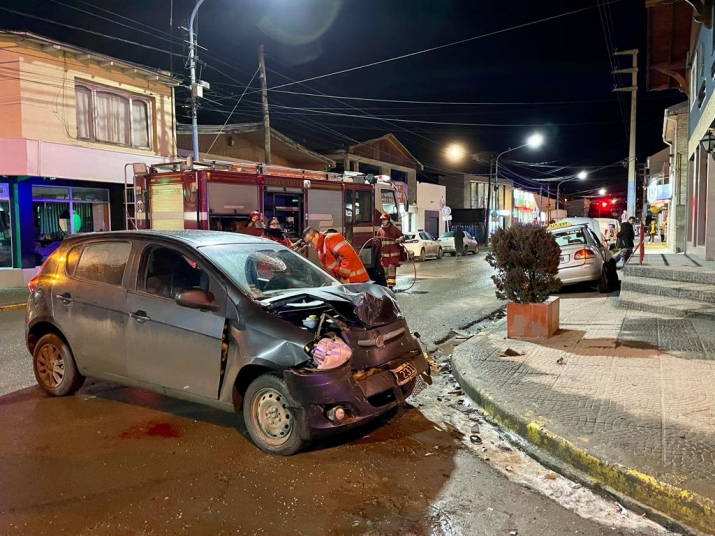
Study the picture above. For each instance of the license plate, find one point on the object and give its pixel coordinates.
(404, 373)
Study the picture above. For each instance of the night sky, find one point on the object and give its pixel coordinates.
(510, 69)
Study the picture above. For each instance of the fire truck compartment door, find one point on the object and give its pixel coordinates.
(325, 209)
(232, 198)
(166, 206)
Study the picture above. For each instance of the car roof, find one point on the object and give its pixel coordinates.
(189, 237)
(575, 222)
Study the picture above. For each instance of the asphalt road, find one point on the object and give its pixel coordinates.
(112, 460)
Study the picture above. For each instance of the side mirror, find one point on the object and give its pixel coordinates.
(197, 298)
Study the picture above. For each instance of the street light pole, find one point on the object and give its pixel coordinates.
(535, 140)
(194, 85)
(580, 176)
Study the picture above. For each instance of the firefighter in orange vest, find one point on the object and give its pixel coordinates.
(337, 256)
(390, 239)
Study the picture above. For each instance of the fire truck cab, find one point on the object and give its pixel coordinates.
(183, 195)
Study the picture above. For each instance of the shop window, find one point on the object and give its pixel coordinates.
(5, 235)
(61, 210)
(111, 116)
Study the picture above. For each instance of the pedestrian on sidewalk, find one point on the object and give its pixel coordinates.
(625, 236)
(458, 241)
(663, 231)
(651, 231)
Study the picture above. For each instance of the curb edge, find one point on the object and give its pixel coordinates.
(13, 307)
(682, 505)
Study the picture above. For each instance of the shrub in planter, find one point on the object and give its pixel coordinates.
(526, 258)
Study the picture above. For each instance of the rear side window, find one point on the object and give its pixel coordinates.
(570, 237)
(72, 258)
(104, 262)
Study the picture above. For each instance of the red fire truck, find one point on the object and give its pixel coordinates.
(217, 197)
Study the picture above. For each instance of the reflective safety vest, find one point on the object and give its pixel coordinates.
(340, 259)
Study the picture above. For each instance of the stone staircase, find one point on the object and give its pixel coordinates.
(674, 285)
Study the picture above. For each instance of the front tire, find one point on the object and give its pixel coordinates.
(269, 416)
(439, 253)
(54, 366)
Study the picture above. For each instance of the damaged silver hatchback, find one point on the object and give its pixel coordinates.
(222, 319)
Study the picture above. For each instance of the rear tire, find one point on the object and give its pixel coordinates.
(422, 256)
(270, 420)
(54, 366)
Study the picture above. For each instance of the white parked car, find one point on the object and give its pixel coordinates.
(584, 258)
(421, 245)
(447, 241)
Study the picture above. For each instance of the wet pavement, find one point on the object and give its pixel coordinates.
(627, 397)
(13, 298)
(113, 460)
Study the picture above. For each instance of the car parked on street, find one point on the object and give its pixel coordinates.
(421, 245)
(229, 320)
(447, 242)
(584, 257)
(609, 228)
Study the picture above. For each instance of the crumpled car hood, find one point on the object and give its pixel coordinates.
(368, 303)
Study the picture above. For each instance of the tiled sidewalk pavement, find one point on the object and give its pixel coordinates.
(12, 298)
(626, 396)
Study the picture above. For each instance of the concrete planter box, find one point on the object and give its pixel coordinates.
(532, 320)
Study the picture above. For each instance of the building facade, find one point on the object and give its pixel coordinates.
(675, 135)
(681, 55)
(73, 123)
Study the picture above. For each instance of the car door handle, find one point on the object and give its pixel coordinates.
(65, 298)
(140, 317)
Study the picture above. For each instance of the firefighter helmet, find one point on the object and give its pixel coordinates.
(384, 216)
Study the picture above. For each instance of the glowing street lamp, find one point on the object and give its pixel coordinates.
(581, 176)
(534, 141)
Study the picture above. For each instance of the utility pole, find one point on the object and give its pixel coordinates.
(487, 210)
(264, 105)
(631, 199)
(197, 88)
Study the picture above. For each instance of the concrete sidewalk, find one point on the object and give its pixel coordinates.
(13, 298)
(627, 397)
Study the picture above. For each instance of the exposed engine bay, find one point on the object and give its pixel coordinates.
(361, 323)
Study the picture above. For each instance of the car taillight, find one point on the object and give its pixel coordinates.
(584, 254)
(32, 284)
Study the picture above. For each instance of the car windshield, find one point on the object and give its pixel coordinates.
(448, 234)
(569, 237)
(267, 270)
